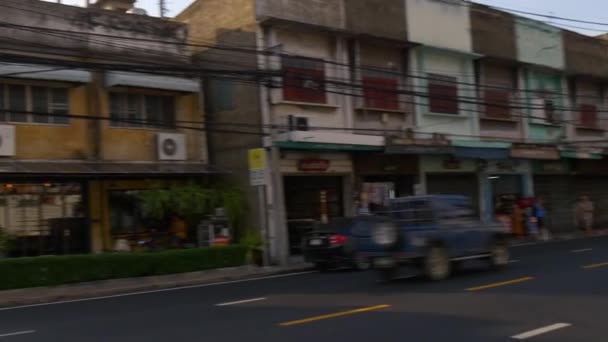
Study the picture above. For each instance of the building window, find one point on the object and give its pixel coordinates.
(139, 110)
(220, 95)
(381, 91)
(25, 103)
(588, 115)
(303, 80)
(497, 103)
(550, 111)
(443, 94)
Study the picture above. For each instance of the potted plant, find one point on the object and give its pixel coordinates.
(6, 241)
(252, 240)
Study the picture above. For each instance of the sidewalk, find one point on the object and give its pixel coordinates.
(558, 237)
(117, 287)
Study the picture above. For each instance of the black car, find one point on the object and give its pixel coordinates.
(342, 243)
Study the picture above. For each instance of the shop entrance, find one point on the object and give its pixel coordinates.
(307, 199)
(506, 191)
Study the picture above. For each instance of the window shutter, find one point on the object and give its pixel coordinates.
(303, 80)
(443, 94)
(497, 103)
(588, 115)
(381, 93)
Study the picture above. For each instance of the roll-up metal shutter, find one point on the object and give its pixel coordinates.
(454, 184)
(559, 201)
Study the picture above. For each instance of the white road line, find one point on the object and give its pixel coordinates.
(242, 301)
(18, 333)
(540, 331)
(513, 261)
(156, 291)
(582, 250)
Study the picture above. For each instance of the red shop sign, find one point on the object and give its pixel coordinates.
(313, 165)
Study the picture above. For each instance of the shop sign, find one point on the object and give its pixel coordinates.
(313, 165)
(552, 167)
(417, 149)
(451, 164)
(506, 166)
(418, 146)
(525, 151)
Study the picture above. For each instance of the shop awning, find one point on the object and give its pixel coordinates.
(103, 169)
(44, 72)
(580, 155)
(481, 153)
(294, 145)
(133, 79)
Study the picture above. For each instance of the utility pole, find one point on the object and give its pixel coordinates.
(162, 8)
(278, 204)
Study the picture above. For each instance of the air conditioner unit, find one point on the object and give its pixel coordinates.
(7, 141)
(171, 146)
(297, 123)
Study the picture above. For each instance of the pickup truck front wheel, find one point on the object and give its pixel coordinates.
(437, 264)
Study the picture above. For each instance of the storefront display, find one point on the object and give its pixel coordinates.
(45, 218)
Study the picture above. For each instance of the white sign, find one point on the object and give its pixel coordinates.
(257, 177)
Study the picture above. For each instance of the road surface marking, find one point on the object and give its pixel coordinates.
(582, 250)
(241, 301)
(504, 283)
(333, 315)
(601, 264)
(479, 256)
(157, 291)
(540, 331)
(18, 333)
(513, 261)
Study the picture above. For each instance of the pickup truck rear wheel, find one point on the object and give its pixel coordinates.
(437, 265)
(361, 262)
(499, 254)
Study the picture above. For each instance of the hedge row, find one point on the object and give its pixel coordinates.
(57, 270)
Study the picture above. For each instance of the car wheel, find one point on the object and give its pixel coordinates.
(361, 262)
(437, 265)
(322, 266)
(499, 254)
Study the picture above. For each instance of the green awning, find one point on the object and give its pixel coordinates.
(580, 155)
(294, 145)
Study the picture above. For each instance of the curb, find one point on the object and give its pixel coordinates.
(133, 286)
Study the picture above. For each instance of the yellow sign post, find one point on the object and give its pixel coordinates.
(257, 159)
(257, 166)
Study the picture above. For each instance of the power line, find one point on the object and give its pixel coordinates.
(245, 50)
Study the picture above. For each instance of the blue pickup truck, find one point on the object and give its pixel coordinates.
(433, 233)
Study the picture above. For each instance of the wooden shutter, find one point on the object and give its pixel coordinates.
(303, 80)
(588, 115)
(497, 103)
(380, 93)
(443, 95)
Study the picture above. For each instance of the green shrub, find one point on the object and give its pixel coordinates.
(57, 270)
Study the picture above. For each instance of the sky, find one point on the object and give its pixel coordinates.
(588, 10)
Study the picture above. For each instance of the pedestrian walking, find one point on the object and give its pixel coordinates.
(584, 214)
(540, 213)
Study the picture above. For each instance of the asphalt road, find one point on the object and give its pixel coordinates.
(550, 292)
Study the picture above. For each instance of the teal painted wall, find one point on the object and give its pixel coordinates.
(539, 81)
